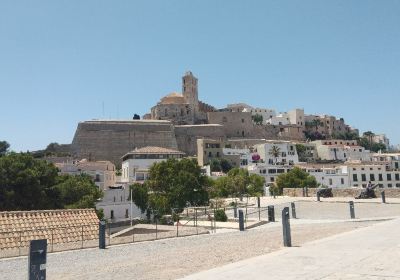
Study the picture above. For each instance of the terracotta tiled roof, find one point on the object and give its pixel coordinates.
(17, 228)
(155, 150)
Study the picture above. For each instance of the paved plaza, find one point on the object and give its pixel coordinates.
(327, 244)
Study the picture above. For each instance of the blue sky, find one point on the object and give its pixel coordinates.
(61, 60)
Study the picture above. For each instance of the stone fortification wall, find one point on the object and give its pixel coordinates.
(110, 140)
(236, 124)
(298, 192)
(187, 135)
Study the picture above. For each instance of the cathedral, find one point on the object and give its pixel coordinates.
(182, 109)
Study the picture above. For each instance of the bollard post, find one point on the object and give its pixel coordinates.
(235, 211)
(37, 259)
(352, 214)
(293, 210)
(287, 238)
(102, 235)
(258, 202)
(271, 213)
(383, 197)
(318, 197)
(241, 220)
(306, 191)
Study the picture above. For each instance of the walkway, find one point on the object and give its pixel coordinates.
(367, 253)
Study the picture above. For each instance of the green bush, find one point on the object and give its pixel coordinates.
(220, 216)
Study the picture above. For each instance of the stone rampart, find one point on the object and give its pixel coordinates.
(187, 135)
(110, 140)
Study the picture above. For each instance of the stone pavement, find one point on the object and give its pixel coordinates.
(367, 253)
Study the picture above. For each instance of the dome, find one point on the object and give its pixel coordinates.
(173, 98)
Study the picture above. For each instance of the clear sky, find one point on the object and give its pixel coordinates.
(61, 60)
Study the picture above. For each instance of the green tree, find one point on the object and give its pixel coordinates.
(140, 196)
(238, 182)
(275, 151)
(173, 184)
(4, 146)
(295, 178)
(301, 151)
(26, 183)
(257, 119)
(220, 165)
(76, 192)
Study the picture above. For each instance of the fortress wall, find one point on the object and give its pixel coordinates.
(187, 135)
(110, 140)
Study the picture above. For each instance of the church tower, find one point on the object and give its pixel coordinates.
(189, 91)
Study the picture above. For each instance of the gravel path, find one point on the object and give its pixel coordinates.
(172, 258)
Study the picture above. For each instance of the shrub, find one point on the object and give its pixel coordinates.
(220, 216)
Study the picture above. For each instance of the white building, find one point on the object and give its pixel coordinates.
(116, 206)
(264, 112)
(136, 164)
(381, 139)
(329, 176)
(268, 171)
(376, 173)
(287, 153)
(341, 150)
(102, 172)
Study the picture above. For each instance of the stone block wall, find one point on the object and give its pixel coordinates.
(110, 140)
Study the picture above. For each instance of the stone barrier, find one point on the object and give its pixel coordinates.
(348, 192)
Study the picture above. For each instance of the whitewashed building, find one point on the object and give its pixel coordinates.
(102, 172)
(341, 150)
(136, 164)
(287, 152)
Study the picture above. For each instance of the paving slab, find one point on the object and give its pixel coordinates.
(366, 253)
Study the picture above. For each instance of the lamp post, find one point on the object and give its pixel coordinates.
(131, 206)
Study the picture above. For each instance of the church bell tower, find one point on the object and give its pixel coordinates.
(189, 91)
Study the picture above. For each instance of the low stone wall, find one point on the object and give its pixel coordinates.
(298, 192)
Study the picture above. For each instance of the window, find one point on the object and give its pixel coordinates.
(371, 177)
(380, 177)
(209, 154)
(363, 177)
(390, 186)
(242, 120)
(330, 182)
(389, 177)
(217, 154)
(112, 214)
(397, 177)
(126, 213)
(272, 179)
(355, 177)
(342, 181)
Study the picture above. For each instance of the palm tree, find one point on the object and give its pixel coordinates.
(275, 151)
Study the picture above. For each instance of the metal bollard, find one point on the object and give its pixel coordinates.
(102, 235)
(293, 210)
(318, 197)
(258, 202)
(383, 197)
(235, 212)
(352, 214)
(287, 238)
(271, 213)
(306, 191)
(241, 220)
